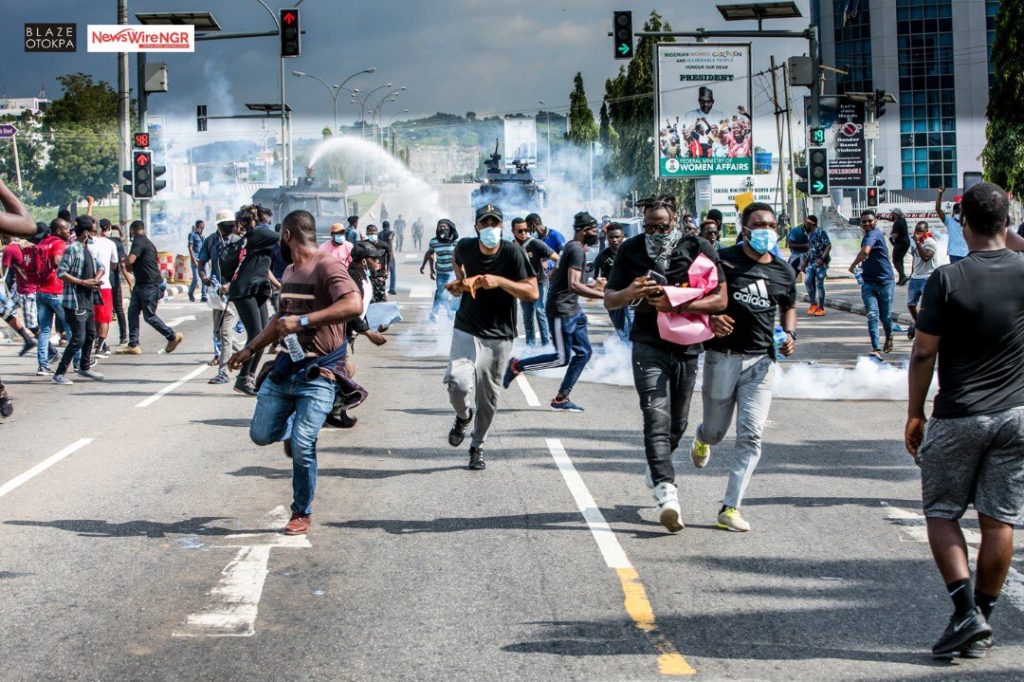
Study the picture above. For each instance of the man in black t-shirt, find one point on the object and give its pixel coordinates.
(142, 263)
(739, 363)
(972, 319)
(490, 274)
(567, 320)
(663, 372)
(622, 319)
(537, 253)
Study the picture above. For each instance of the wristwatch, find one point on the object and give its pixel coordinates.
(792, 334)
(304, 321)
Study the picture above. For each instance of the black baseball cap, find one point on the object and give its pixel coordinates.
(583, 220)
(489, 211)
(364, 249)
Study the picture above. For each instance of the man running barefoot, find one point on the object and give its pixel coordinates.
(664, 372)
(566, 320)
(490, 274)
(739, 363)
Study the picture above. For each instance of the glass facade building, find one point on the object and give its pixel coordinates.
(853, 45)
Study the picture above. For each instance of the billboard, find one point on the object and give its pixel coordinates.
(843, 121)
(520, 141)
(703, 110)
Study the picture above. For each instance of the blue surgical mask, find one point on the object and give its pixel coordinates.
(763, 241)
(371, 238)
(490, 236)
(338, 239)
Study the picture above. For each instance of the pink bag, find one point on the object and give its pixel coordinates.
(687, 329)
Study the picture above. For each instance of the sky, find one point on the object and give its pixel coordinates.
(451, 55)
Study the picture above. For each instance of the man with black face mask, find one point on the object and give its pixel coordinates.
(567, 321)
(439, 257)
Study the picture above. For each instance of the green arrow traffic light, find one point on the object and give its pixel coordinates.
(819, 186)
(623, 48)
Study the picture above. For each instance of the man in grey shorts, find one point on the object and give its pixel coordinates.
(490, 274)
(972, 319)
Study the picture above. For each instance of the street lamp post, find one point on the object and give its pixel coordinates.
(547, 126)
(335, 89)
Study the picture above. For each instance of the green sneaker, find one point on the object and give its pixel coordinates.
(700, 453)
(730, 519)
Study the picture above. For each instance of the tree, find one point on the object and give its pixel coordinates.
(631, 98)
(83, 102)
(1003, 155)
(582, 129)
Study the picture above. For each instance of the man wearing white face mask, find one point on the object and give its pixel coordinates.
(739, 363)
(490, 274)
(338, 246)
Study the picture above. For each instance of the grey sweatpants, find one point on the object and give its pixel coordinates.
(475, 367)
(742, 383)
(224, 331)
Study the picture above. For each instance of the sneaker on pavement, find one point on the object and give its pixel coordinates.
(961, 632)
(565, 406)
(298, 524)
(174, 343)
(730, 519)
(221, 378)
(669, 513)
(62, 380)
(511, 372)
(648, 479)
(27, 348)
(476, 459)
(91, 374)
(130, 350)
(820, 312)
(43, 371)
(244, 386)
(458, 432)
(813, 309)
(979, 649)
(700, 453)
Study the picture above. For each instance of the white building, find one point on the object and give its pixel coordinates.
(16, 106)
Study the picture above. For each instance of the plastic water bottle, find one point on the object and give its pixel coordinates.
(859, 277)
(295, 352)
(780, 338)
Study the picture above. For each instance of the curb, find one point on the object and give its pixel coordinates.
(859, 309)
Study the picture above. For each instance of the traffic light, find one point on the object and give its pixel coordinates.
(817, 136)
(801, 185)
(142, 174)
(158, 184)
(201, 118)
(622, 32)
(879, 103)
(289, 26)
(817, 171)
(872, 197)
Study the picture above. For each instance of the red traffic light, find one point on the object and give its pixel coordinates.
(288, 17)
(142, 140)
(142, 160)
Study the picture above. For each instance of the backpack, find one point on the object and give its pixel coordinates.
(230, 259)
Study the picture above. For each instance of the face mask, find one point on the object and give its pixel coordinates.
(338, 239)
(90, 241)
(371, 238)
(762, 241)
(490, 236)
(286, 252)
(590, 239)
(659, 246)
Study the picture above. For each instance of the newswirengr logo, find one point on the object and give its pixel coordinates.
(118, 38)
(755, 295)
(51, 37)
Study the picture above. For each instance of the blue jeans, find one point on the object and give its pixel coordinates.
(441, 296)
(878, 302)
(570, 334)
(394, 273)
(534, 312)
(196, 283)
(622, 320)
(294, 410)
(814, 280)
(50, 309)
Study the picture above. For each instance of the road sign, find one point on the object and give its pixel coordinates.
(843, 124)
(7, 131)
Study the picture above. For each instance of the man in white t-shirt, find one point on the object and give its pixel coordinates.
(925, 251)
(104, 253)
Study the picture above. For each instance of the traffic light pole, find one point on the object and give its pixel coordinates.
(143, 104)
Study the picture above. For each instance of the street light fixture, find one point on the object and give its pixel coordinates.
(335, 89)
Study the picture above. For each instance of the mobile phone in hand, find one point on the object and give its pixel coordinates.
(658, 277)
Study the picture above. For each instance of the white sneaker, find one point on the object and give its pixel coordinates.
(669, 513)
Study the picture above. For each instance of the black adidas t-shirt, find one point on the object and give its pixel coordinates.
(976, 308)
(632, 261)
(756, 292)
(492, 314)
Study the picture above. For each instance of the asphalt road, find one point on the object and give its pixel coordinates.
(137, 534)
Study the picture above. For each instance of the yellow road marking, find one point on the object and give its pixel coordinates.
(670, 661)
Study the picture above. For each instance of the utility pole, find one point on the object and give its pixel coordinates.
(778, 133)
(124, 118)
(789, 138)
(17, 163)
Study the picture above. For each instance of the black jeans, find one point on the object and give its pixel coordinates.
(899, 252)
(145, 299)
(252, 311)
(122, 321)
(665, 383)
(83, 334)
